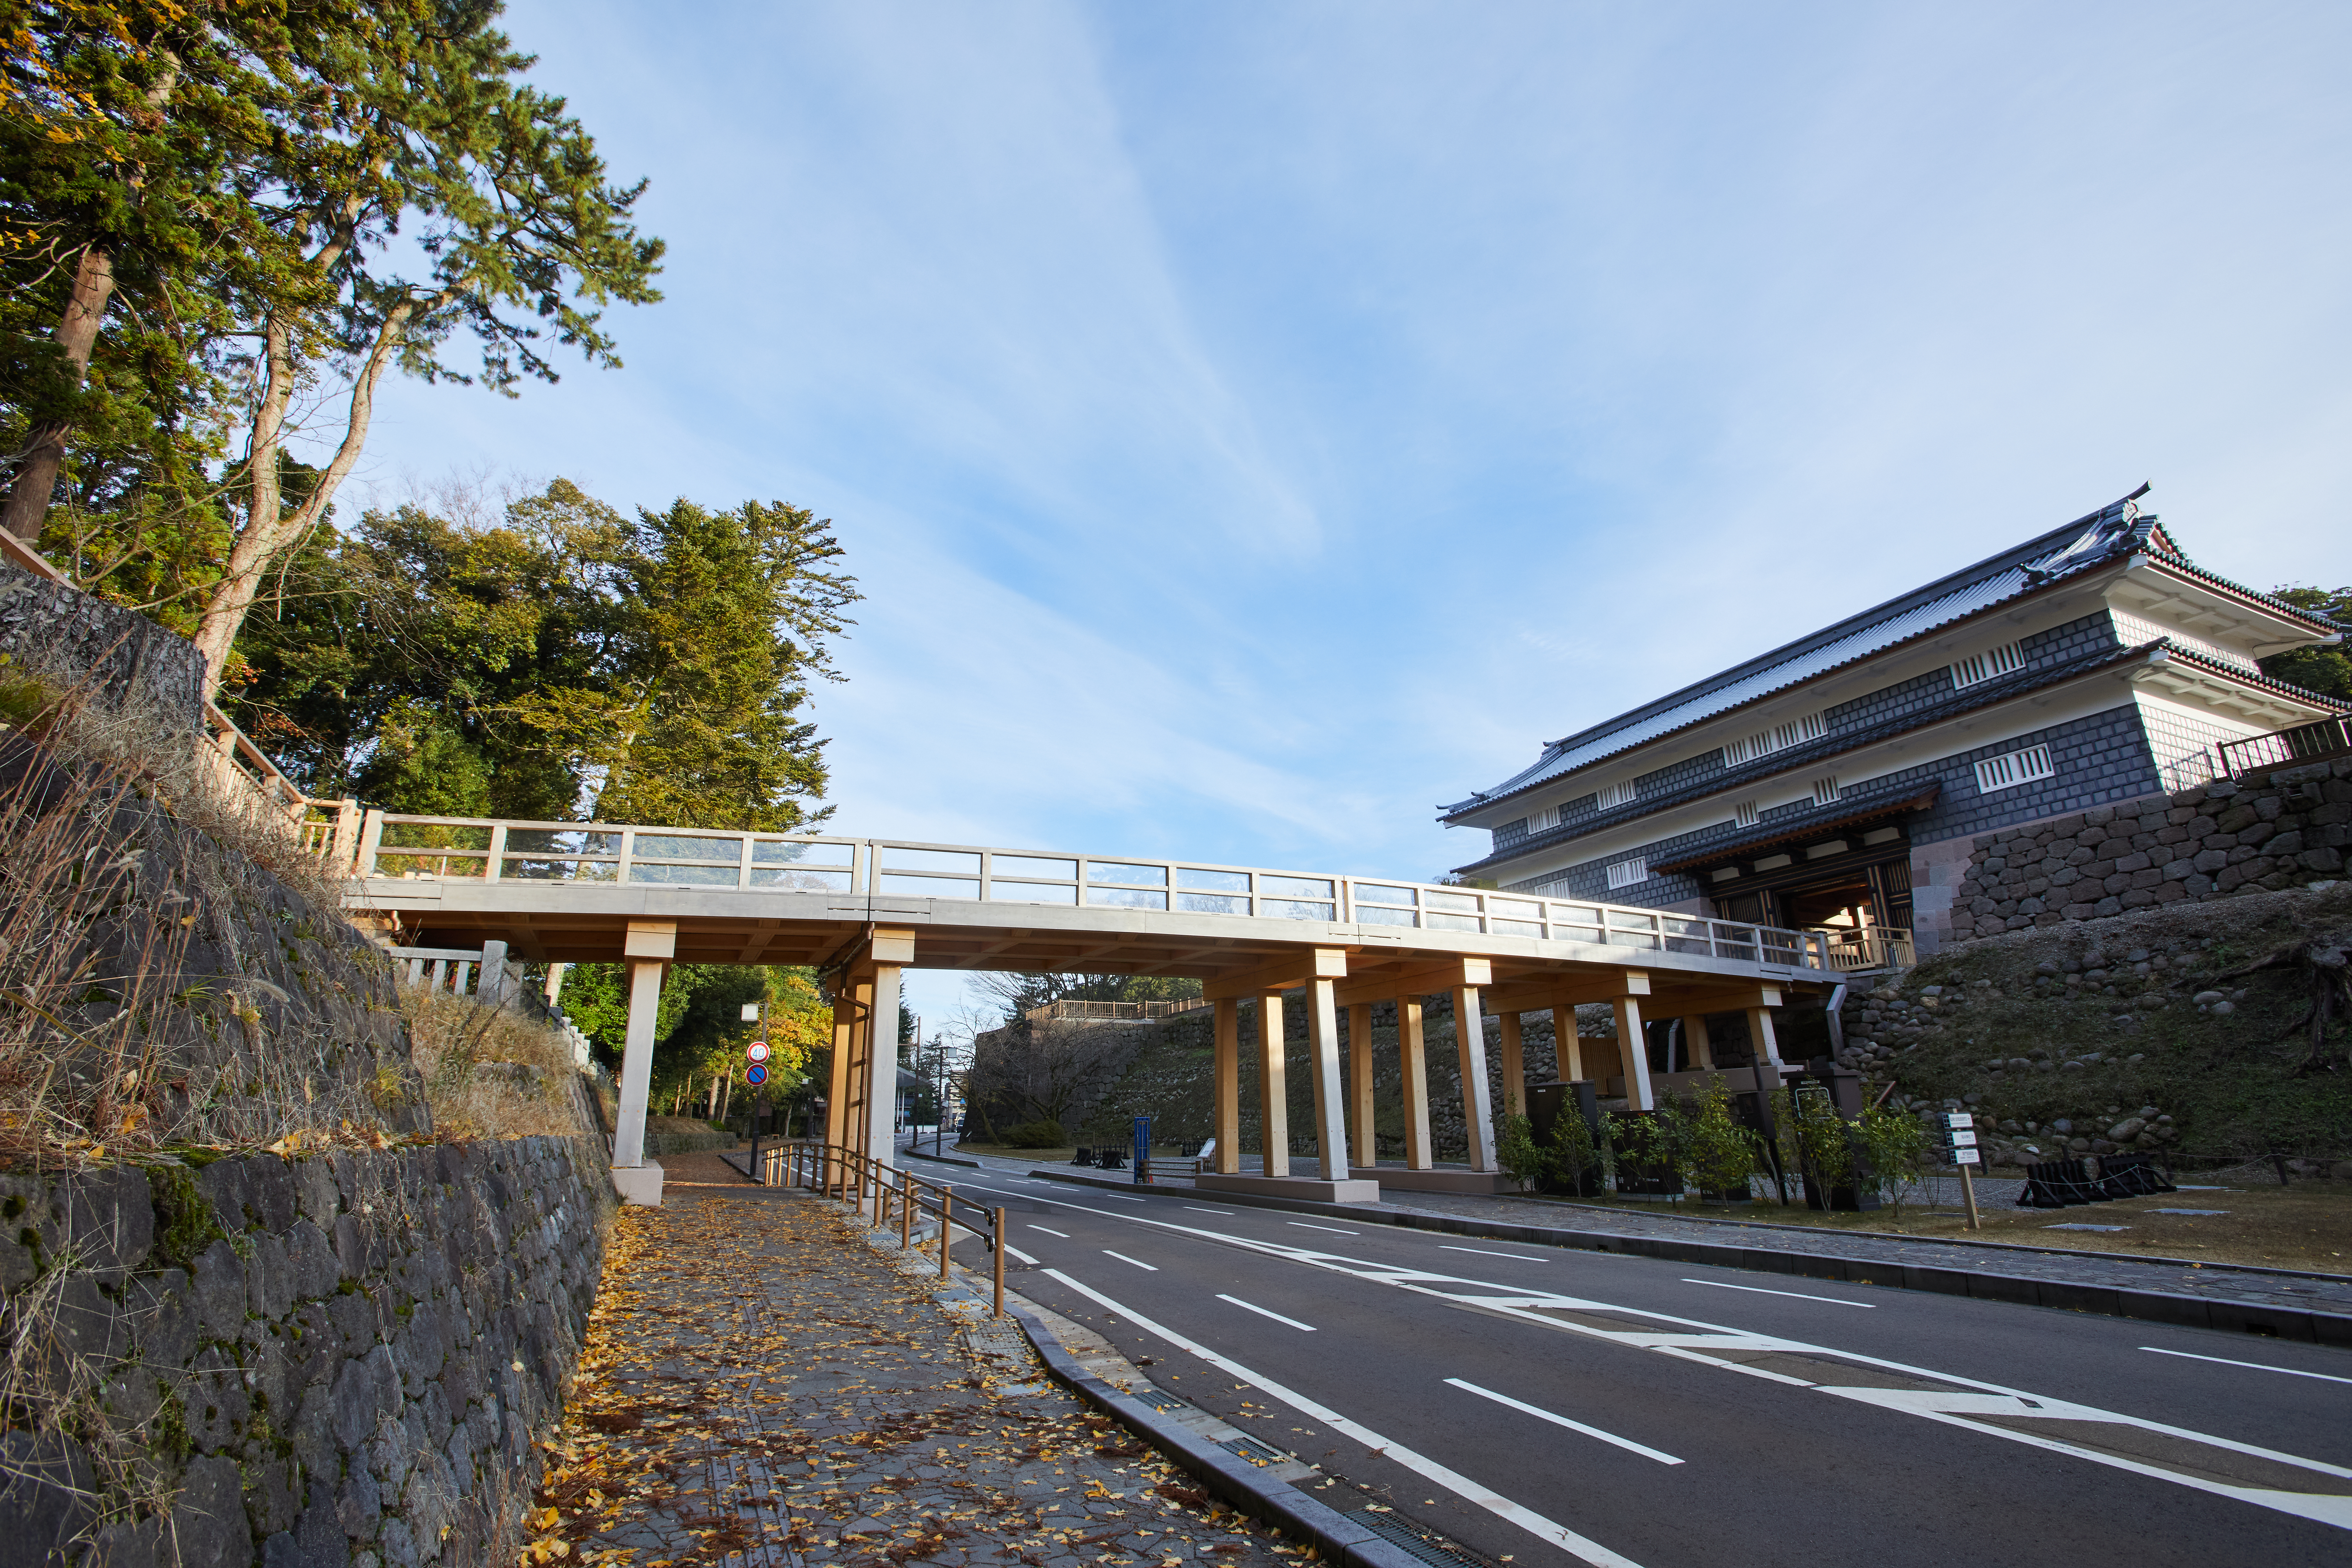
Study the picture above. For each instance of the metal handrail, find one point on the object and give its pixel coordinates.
(837, 1171)
(400, 846)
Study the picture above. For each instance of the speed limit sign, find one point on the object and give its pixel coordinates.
(756, 1050)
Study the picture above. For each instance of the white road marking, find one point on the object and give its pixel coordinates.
(1018, 1253)
(1196, 1209)
(1461, 1486)
(1484, 1253)
(1691, 1336)
(1625, 1443)
(1123, 1257)
(1800, 1295)
(1261, 1312)
(1334, 1229)
(2258, 1366)
(1062, 1234)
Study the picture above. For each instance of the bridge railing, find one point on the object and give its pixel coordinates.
(613, 853)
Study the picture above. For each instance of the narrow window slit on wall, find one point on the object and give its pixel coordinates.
(2013, 768)
(1618, 795)
(1745, 814)
(1542, 820)
(1779, 738)
(1625, 873)
(1979, 667)
(1825, 791)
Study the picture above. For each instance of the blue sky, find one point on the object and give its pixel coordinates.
(1254, 424)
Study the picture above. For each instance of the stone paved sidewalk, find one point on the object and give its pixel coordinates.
(2219, 1282)
(762, 1386)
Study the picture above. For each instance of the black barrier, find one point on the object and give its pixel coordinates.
(2132, 1176)
(2057, 1184)
(1083, 1157)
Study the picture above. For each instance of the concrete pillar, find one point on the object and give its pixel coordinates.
(1330, 1118)
(555, 973)
(1568, 1048)
(495, 985)
(1633, 1055)
(1359, 1084)
(1228, 1154)
(648, 948)
(1413, 1057)
(1274, 1088)
(1760, 1038)
(1515, 1067)
(882, 1067)
(1470, 1054)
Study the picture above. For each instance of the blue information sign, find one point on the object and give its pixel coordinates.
(757, 1072)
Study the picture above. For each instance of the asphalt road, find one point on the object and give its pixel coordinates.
(1545, 1405)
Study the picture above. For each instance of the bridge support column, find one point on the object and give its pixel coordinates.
(1696, 1042)
(1567, 1045)
(1633, 1053)
(1470, 1053)
(1330, 1118)
(1273, 1088)
(1228, 1151)
(1413, 1055)
(1515, 1065)
(1359, 1084)
(649, 947)
(838, 1090)
(1762, 1043)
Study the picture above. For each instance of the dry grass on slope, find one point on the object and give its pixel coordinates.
(491, 1073)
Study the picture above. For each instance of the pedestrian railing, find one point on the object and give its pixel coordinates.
(860, 1180)
(458, 848)
(2286, 748)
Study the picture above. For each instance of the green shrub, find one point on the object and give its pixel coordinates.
(1040, 1135)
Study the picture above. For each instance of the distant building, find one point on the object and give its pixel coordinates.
(1836, 783)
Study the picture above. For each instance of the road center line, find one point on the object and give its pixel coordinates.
(1195, 1209)
(1123, 1257)
(1334, 1229)
(1461, 1486)
(1627, 1444)
(1019, 1254)
(1800, 1295)
(1484, 1253)
(2258, 1366)
(1261, 1312)
(1062, 1234)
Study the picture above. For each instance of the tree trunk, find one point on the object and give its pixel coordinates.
(44, 451)
(269, 530)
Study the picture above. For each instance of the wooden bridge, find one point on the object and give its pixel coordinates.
(861, 910)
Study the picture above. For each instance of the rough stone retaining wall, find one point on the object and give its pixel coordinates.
(345, 1359)
(2204, 843)
(124, 658)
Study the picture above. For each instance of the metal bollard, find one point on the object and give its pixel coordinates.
(906, 1212)
(998, 1225)
(947, 1216)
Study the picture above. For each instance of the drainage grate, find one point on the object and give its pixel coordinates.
(1434, 1549)
(1256, 1452)
(1158, 1398)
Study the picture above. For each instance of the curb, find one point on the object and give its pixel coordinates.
(2302, 1324)
(943, 1159)
(1333, 1533)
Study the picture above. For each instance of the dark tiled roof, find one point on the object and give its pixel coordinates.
(2114, 533)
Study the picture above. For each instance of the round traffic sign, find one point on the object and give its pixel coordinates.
(757, 1074)
(756, 1050)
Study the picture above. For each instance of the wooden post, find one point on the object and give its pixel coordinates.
(837, 1104)
(1229, 1086)
(906, 1210)
(1274, 1088)
(1760, 1038)
(1515, 1067)
(1470, 1053)
(1411, 1056)
(1633, 1055)
(1697, 1042)
(1359, 1084)
(1330, 1122)
(1568, 1048)
(947, 1224)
